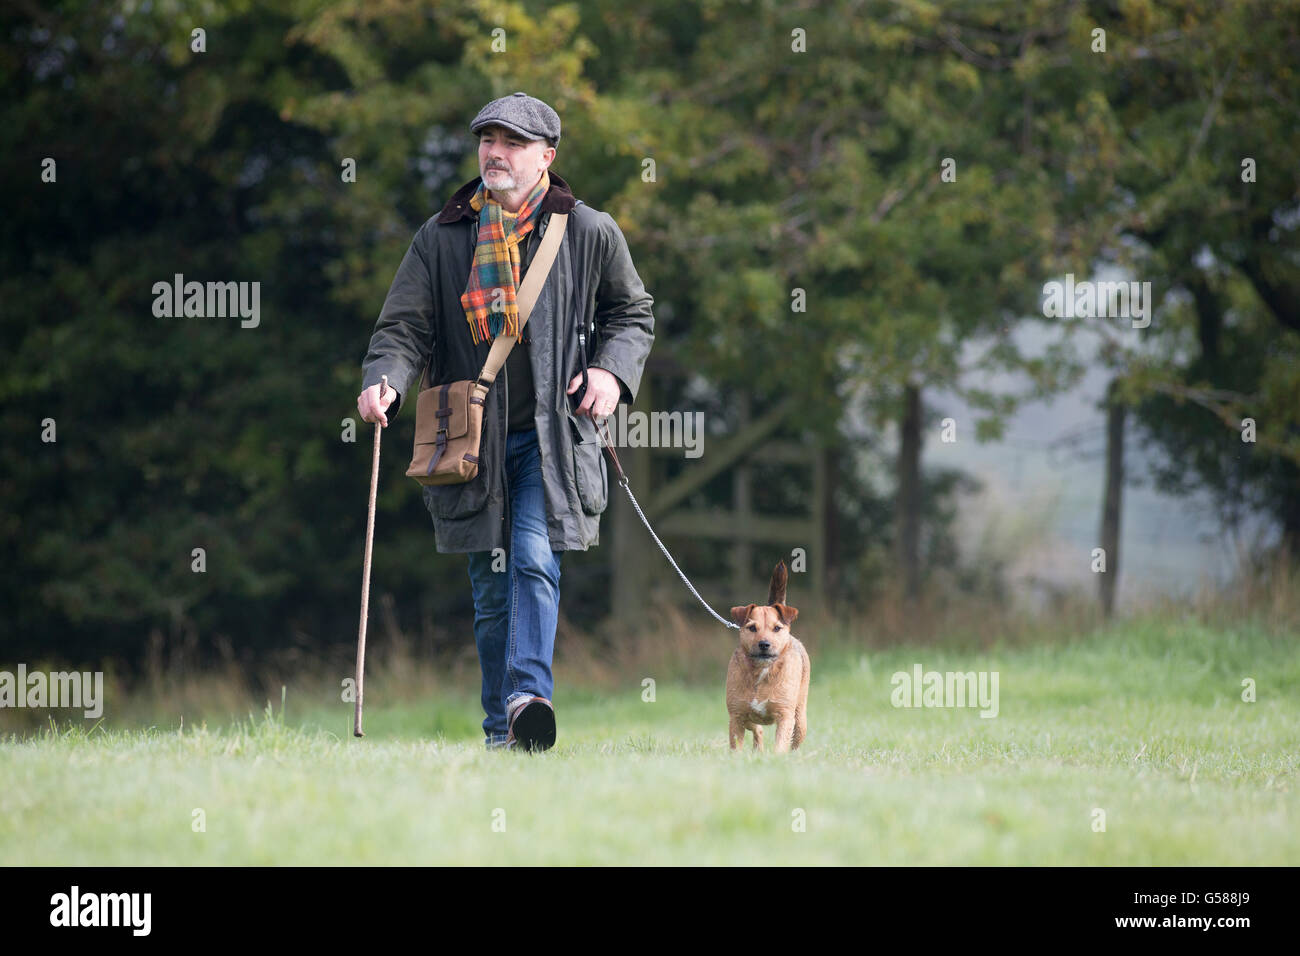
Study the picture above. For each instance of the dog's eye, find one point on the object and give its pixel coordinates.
(776, 627)
(753, 627)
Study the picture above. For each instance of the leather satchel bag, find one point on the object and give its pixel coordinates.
(449, 418)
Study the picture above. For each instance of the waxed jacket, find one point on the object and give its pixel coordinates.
(592, 281)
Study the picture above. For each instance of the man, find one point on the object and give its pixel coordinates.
(542, 483)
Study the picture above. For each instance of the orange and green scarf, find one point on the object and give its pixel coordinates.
(496, 263)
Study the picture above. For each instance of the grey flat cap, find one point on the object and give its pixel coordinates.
(526, 115)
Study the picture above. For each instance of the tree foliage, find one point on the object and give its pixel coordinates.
(774, 170)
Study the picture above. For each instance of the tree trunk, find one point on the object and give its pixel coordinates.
(909, 494)
(831, 525)
(1113, 503)
(1291, 513)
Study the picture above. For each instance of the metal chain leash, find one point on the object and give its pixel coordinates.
(622, 480)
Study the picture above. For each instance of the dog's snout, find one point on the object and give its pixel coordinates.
(764, 645)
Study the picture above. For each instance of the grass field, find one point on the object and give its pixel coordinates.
(1145, 722)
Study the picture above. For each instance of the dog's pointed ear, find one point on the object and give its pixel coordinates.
(788, 612)
(776, 587)
(740, 613)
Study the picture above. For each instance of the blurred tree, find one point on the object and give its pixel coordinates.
(1211, 174)
(856, 203)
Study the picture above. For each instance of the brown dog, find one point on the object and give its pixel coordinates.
(767, 679)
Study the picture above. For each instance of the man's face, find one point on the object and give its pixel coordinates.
(508, 162)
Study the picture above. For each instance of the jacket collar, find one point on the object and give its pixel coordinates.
(558, 198)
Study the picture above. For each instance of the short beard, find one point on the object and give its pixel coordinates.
(511, 184)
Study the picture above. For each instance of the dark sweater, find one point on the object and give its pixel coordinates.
(521, 404)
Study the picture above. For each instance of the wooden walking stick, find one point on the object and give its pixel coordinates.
(365, 570)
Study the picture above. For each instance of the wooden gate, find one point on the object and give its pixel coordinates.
(638, 563)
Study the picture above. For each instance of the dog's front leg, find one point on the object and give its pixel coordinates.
(784, 732)
(758, 735)
(737, 732)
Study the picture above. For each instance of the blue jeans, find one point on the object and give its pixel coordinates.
(516, 609)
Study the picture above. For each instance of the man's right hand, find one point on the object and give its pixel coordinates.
(372, 407)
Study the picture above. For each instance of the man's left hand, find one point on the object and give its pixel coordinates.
(603, 393)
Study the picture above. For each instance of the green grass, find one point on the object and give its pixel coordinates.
(1145, 722)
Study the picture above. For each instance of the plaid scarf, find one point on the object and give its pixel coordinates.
(496, 263)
